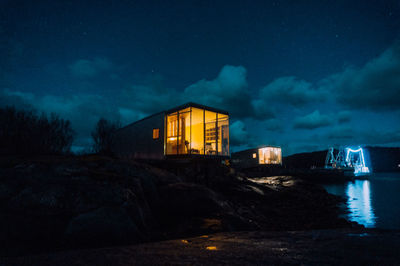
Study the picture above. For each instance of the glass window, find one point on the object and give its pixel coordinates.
(254, 155)
(223, 134)
(172, 133)
(197, 131)
(184, 131)
(156, 133)
(270, 155)
(211, 133)
(197, 142)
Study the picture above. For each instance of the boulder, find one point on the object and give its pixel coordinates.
(188, 199)
(42, 200)
(106, 225)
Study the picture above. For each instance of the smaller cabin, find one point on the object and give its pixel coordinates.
(265, 155)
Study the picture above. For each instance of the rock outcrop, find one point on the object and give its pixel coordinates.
(91, 201)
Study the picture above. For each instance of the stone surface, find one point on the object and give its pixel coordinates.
(315, 247)
(104, 226)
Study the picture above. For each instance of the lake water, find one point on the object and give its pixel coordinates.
(374, 203)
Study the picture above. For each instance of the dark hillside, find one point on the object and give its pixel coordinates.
(305, 160)
(384, 159)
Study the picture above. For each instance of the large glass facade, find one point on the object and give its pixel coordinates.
(197, 131)
(270, 155)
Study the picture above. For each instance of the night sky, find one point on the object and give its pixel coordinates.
(304, 75)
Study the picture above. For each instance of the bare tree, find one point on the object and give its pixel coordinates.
(26, 133)
(103, 136)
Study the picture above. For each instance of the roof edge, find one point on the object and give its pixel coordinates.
(180, 107)
(196, 105)
(257, 148)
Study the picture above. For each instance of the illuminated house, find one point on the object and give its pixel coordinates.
(190, 130)
(266, 155)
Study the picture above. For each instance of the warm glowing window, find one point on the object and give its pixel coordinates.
(172, 133)
(210, 121)
(223, 134)
(270, 155)
(254, 155)
(156, 133)
(197, 131)
(197, 145)
(184, 131)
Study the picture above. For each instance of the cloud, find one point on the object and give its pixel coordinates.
(84, 68)
(274, 125)
(346, 135)
(383, 138)
(312, 121)
(290, 90)
(341, 133)
(20, 100)
(374, 86)
(149, 98)
(227, 91)
(344, 116)
(262, 109)
(238, 134)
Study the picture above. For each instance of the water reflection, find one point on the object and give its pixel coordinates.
(359, 203)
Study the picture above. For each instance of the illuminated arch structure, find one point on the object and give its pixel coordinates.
(356, 159)
(347, 158)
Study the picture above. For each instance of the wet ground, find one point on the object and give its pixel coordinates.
(319, 247)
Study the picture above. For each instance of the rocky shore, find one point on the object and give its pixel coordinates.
(63, 203)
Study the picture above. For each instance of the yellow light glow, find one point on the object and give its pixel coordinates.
(184, 241)
(156, 133)
(254, 155)
(211, 248)
(270, 155)
(197, 131)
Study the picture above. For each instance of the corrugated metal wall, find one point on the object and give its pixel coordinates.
(136, 140)
(245, 158)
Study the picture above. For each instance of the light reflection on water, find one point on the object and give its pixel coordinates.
(359, 203)
(374, 202)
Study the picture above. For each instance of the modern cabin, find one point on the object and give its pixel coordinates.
(189, 130)
(265, 155)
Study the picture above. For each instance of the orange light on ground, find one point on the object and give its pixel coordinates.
(184, 241)
(211, 248)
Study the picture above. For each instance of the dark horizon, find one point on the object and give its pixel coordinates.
(303, 77)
